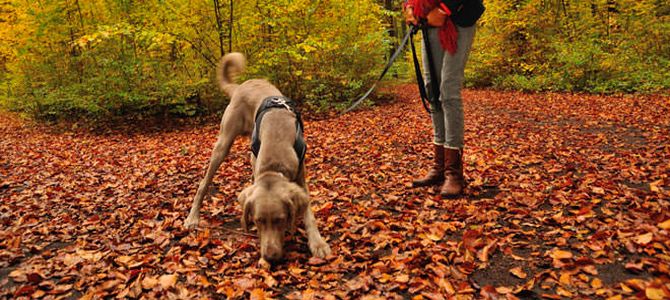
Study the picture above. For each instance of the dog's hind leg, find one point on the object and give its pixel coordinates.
(229, 131)
(220, 152)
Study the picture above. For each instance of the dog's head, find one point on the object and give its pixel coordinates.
(272, 206)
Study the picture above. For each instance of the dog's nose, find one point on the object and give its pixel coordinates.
(272, 254)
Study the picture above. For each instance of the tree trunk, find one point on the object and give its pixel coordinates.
(391, 27)
(230, 28)
(219, 26)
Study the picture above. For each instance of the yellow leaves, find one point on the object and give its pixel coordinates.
(307, 48)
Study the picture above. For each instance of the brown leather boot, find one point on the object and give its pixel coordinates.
(454, 182)
(436, 175)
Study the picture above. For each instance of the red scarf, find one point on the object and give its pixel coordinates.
(448, 34)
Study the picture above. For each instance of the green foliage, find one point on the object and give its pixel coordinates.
(99, 59)
(600, 46)
(103, 59)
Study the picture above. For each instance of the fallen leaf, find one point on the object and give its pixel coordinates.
(655, 293)
(518, 272)
(644, 238)
(149, 282)
(167, 281)
(403, 278)
(257, 294)
(596, 283)
(560, 254)
(665, 224)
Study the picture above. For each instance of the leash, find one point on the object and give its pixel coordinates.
(435, 91)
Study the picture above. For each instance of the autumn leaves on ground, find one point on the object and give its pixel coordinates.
(568, 198)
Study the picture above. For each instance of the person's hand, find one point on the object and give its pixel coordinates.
(408, 11)
(436, 17)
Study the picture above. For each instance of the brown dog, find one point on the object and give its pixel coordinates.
(279, 193)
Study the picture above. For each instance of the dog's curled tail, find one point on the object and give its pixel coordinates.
(231, 65)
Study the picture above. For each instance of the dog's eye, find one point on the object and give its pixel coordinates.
(278, 220)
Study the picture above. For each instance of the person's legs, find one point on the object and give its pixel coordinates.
(436, 174)
(453, 73)
(438, 56)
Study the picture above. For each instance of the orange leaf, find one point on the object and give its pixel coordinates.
(257, 294)
(596, 283)
(404, 278)
(518, 272)
(149, 283)
(644, 238)
(560, 254)
(655, 293)
(665, 224)
(167, 281)
(565, 279)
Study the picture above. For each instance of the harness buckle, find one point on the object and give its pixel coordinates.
(282, 102)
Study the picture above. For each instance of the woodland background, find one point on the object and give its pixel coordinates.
(103, 58)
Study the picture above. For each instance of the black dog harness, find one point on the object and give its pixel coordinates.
(280, 102)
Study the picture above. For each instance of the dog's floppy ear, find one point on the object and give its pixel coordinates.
(291, 211)
(299, 201)
(247, 207)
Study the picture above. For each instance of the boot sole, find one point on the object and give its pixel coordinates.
(418, 185)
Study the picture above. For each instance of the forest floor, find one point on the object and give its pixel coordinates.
(568, 197)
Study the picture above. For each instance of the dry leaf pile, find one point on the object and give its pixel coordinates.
(568, 198)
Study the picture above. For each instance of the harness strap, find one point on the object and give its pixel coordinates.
(279, 102)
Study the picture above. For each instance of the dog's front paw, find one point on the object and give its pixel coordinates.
(192, 222)
(319, 249)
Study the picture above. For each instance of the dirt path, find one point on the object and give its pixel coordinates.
(568, 197)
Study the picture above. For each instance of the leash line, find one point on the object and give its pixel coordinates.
(395, 55)
(426, 98)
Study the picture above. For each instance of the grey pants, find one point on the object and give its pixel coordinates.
(450, 69)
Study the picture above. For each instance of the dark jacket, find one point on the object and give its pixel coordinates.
(465, 13)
